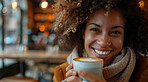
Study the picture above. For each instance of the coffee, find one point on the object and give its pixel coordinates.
(89, 64)
(88, 59)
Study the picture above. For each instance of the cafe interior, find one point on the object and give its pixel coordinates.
(29, 48)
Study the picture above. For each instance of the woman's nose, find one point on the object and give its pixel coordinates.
(104, 41)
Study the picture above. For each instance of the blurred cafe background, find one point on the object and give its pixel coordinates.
(28, 45)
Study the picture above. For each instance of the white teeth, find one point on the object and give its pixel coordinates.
(102, 52)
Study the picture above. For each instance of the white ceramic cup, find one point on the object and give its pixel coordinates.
(89, 64)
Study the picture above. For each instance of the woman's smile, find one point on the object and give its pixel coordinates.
(101, 53)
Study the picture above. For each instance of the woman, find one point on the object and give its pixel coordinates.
(113, 30)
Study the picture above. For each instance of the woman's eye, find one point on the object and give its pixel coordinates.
(94, 29)
(115, 32)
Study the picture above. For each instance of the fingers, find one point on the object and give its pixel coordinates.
(89, 76)
(74, 79)
(71, 72)
(69, 67)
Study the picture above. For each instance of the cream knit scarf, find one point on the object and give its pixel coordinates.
(119, 70)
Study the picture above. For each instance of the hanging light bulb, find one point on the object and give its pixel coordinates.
(44, 4)
(14, 4)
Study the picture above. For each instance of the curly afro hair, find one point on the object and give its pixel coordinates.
(72, 15)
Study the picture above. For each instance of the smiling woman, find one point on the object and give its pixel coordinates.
(104, 35)
(108, 29)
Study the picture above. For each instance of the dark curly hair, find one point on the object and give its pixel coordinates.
(72, 15)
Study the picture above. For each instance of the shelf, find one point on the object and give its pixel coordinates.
(44, 17)
(47, 11)
(43, 21)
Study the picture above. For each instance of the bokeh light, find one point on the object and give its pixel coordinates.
(141, 4)
(14, 5)
(42, 28)
(44, 4)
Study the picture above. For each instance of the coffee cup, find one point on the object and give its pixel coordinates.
(89, 64)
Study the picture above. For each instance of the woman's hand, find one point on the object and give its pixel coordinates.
(72, 75)
(91, 77)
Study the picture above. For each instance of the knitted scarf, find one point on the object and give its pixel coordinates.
(119, 70)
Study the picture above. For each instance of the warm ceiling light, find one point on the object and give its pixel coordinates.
(14, 5)
(44, 4)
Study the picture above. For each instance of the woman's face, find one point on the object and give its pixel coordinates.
(104, 35)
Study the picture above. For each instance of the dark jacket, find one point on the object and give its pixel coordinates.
(140, 73)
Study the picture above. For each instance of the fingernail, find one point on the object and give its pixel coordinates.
(74, 72)
(78, 79)
(81, 73)
(66, 68)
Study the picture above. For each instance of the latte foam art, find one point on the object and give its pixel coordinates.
(88, 59)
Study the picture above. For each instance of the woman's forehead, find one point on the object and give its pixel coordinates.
(101, 17)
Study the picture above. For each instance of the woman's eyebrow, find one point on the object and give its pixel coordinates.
(118, 27)
(100, 26)
(95, 24)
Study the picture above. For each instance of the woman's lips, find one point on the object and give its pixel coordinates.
(102, 53)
